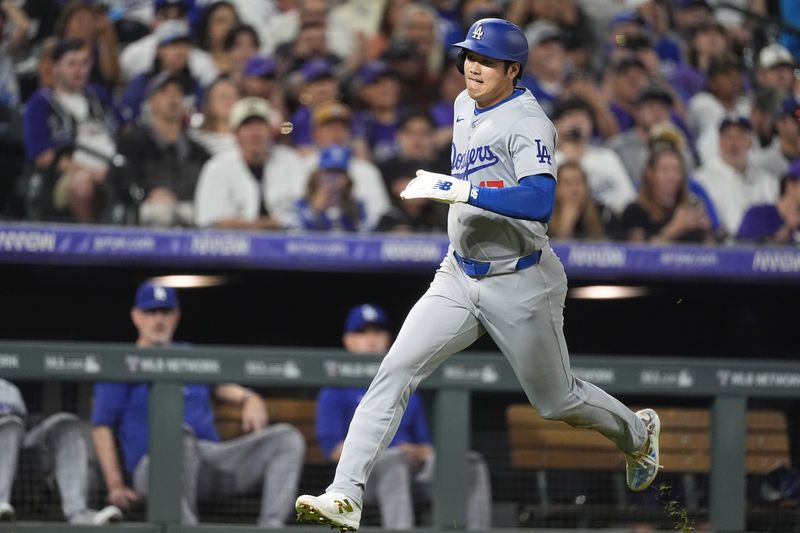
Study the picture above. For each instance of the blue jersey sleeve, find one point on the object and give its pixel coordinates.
(532, 199)
(333, 418)
(109, 402)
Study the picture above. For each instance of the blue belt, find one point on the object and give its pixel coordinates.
(480, 269)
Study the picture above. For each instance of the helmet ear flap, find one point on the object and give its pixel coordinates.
(460, 58)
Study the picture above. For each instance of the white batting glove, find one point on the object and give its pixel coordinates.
(438, 187)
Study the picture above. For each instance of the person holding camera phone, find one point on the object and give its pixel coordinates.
(329, 204)
(666, 211)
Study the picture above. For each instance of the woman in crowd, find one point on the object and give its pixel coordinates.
(665, 210)
(211, 129)
(575, 215)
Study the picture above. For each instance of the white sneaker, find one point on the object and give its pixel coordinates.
(332, 508)
(642, 466)
(90, 517)
(6, 512)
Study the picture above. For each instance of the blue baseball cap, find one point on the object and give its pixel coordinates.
(365, 315)
(735, 120)
(372, 71)
(316, 69)
(335, 157)
(260, 66)
(161, 4)
(151, 295)
(790, 107)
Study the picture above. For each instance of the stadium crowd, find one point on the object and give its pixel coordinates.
(678, 120)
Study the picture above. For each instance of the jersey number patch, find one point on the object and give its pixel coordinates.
(442, 185)
(478, 33)
(542, 153)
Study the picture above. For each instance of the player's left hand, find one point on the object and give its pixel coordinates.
(438, 187)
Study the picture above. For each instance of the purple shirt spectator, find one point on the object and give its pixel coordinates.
(760, 223)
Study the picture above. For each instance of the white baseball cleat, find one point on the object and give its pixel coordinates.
(642, 466)
(332, 508)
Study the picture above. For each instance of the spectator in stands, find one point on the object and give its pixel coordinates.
(651, 110)
(418, 85)
(547, 69)
(627, 79)
(59, 443)
(409, 459)
(162, 163)
(608, 181)
(213, 130)
(172, 58)
(284, 27)
(416, 145)
(724, 95)
(318, 85)
(419, 23)
(732, 181)
(256, 186)
(689, 14)
(216, 22)
(311, 43)
(450, 86)
(332, 125)
(375, 128)
(415, 215)
(665, 210)
(776, 68)
(329, 203)
(779, 222)
(785, 146)
(240, 44)
(82, 20)
(138, 57)
(575, 214)
(14, 26)
(268, 456)
(259, 79)
(764, 116)
(706, 41)
(68, 138)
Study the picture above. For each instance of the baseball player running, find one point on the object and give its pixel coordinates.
(499, 277)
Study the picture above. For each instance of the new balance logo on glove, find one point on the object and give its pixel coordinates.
(438, 187)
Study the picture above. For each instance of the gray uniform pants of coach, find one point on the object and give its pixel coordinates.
(61, 444)
(272, 458)
(524, 314)
(392, 483)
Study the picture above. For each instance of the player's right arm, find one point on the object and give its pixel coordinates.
(119, 494)
(109, 400)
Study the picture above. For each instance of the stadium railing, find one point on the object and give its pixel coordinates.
(728, 383)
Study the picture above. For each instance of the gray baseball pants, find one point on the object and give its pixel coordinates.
(392, 482)
(272, 457)
(524, 314)
(60, 442)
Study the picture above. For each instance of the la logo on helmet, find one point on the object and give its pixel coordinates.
(478, 32)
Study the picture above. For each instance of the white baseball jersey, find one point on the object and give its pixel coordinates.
(497, 147)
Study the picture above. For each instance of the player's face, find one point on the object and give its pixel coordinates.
(487, 80)
(156, 327)
(370, 340)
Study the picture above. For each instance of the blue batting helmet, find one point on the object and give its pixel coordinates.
(495, 38)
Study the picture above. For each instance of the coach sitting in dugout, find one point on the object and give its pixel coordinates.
(271, 456)
(408, 462)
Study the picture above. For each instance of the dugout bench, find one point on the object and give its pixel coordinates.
(547, 448)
